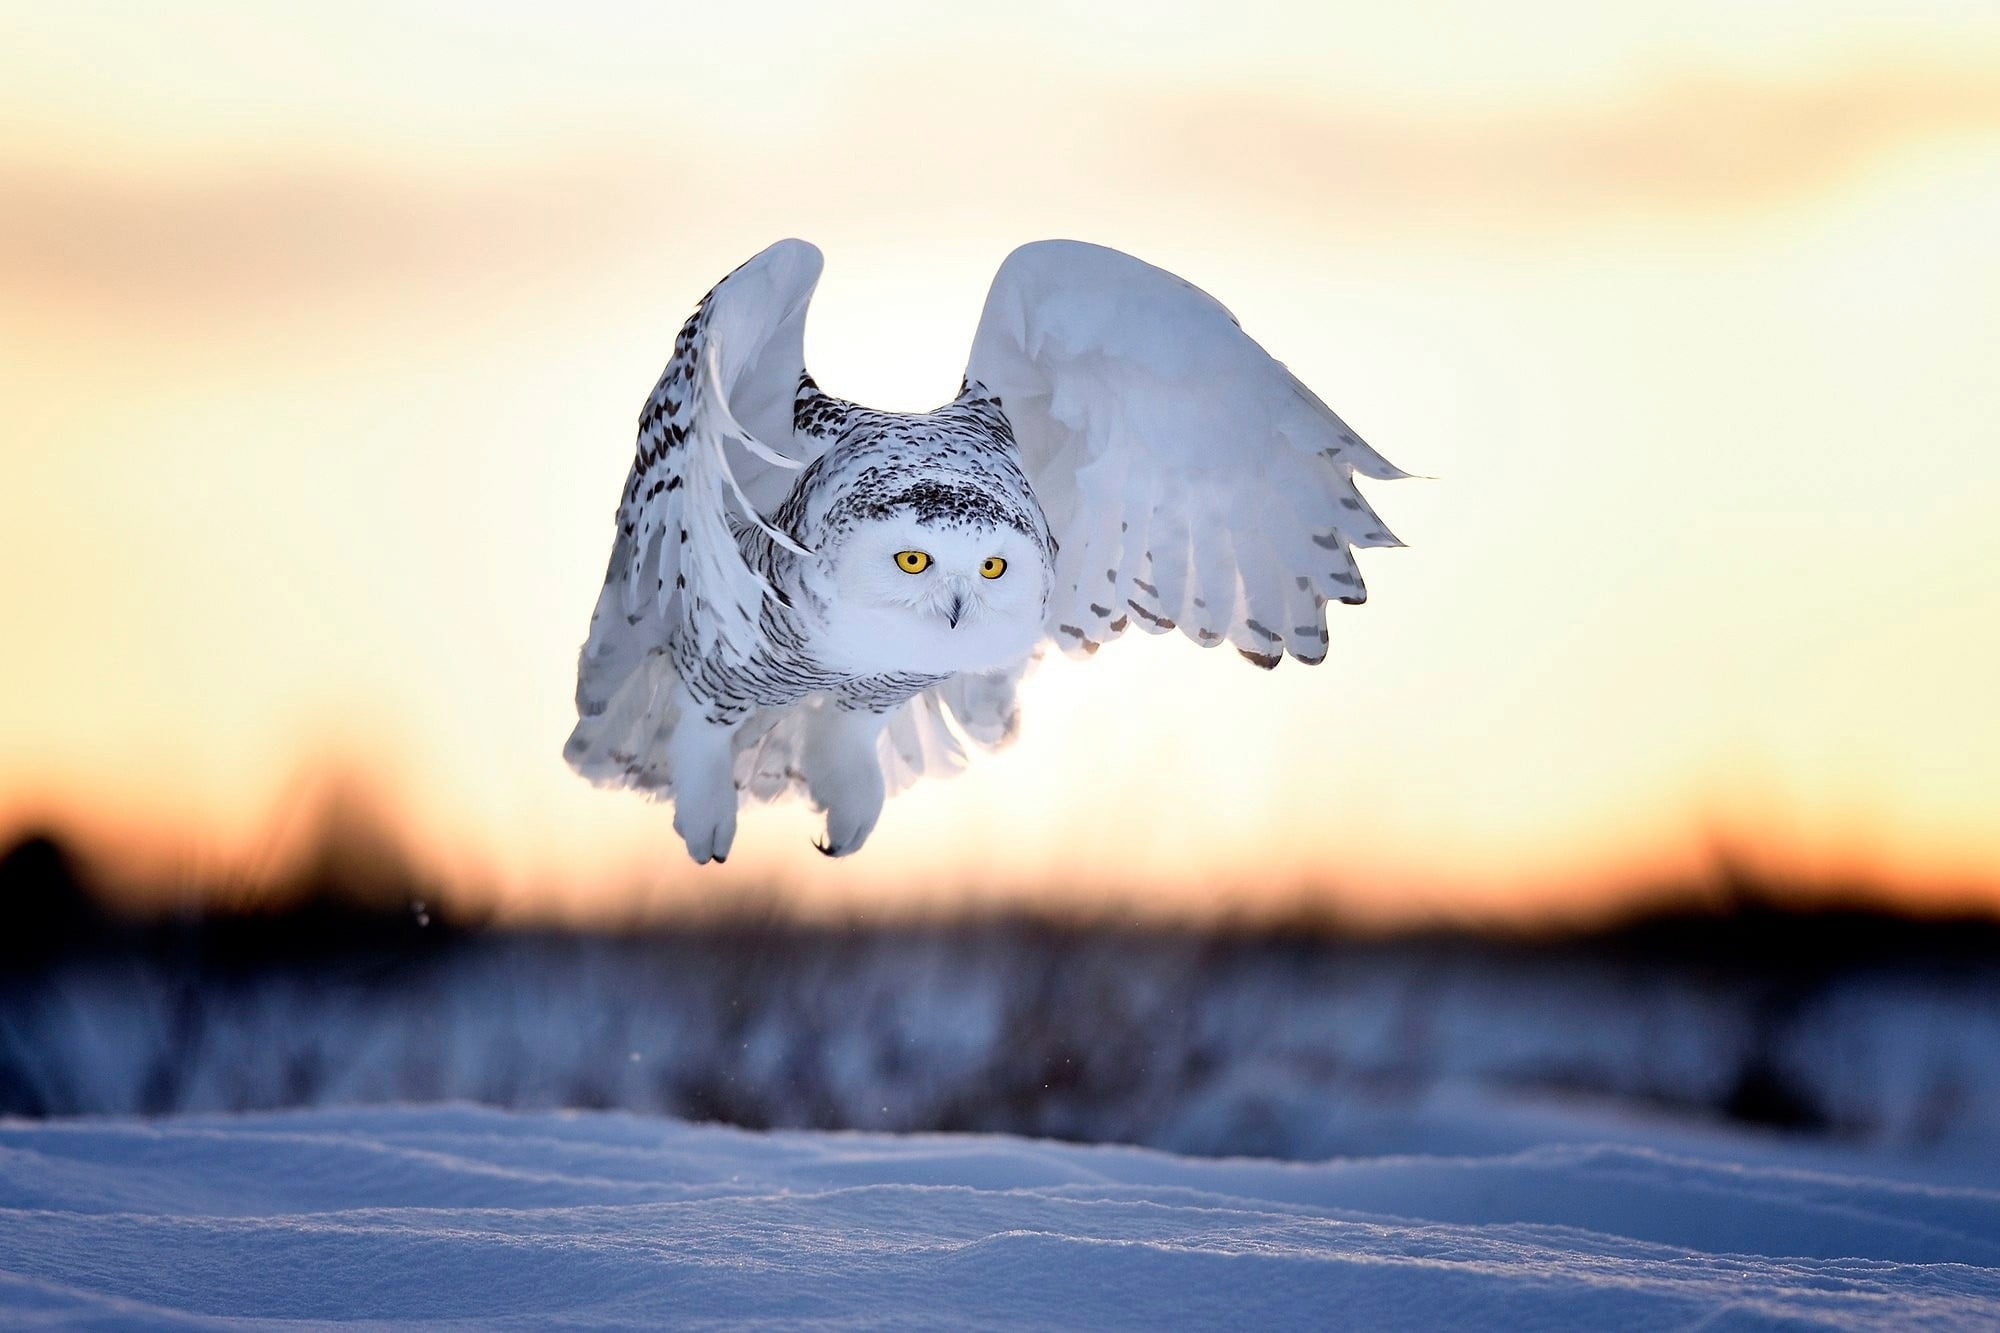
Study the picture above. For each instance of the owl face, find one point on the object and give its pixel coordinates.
(962, 595)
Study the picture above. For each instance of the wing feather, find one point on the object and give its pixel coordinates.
(1212, 592)
(687, 495)
(1135, 569)
(1260, 636)
(715, 447)
(1167, 585)
(1080, 608)
(1188, 476)
(1305, 621)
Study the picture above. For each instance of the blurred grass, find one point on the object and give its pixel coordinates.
(351, 974)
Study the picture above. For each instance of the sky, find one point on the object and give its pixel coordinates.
(324, 335)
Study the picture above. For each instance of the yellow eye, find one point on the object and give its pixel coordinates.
(992, 567)
(912, 562)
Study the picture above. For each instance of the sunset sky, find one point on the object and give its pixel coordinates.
(324, 336)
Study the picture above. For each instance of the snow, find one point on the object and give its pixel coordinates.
(494, 1219)
(247, 1122)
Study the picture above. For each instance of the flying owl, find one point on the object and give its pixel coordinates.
(808, 595)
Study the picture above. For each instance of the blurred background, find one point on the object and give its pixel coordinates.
(1662, 767)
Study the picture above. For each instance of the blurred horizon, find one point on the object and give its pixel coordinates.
(326, 336)
(1732, 1003)
(337, 843)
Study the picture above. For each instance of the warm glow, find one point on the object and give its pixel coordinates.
(326, 334)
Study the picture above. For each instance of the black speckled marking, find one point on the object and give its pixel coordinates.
(956, 466)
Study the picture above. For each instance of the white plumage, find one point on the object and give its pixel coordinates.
(803, 593)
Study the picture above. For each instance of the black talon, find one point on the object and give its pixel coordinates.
(820, 846)
(720, 859)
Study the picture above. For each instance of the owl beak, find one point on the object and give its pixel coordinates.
(953, 600)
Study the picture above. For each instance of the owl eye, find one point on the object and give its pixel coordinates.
(992, 567)
(913, 562)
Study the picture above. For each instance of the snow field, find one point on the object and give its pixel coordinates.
(455, 1214)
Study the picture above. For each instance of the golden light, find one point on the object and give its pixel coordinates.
(326, 339)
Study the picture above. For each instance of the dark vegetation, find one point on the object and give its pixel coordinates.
(353, 981)
(348, 905)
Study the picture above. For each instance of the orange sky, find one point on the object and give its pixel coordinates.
(325, 339)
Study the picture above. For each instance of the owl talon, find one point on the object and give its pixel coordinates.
(844, 777)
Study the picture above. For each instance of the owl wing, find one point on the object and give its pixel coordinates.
(1189, 479)
(715, 444)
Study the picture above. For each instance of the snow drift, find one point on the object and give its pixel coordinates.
(457, 1214)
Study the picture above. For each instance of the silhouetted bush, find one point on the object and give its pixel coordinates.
(48, 910)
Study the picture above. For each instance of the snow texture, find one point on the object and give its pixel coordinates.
(412, 1216)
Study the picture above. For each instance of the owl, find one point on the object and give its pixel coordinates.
(808, 596)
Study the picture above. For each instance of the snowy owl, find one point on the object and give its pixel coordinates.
(809, 595)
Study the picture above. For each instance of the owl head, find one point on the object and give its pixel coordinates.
(937, 587)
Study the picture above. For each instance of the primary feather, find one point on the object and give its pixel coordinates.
(1178, 444)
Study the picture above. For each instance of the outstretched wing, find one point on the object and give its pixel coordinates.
(1191, 481)
(716, 445)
